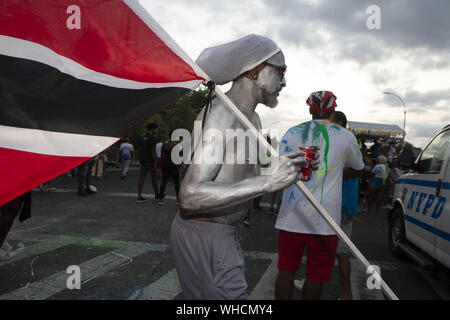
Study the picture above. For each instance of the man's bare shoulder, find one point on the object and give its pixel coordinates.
(218, 117)
(257, 120)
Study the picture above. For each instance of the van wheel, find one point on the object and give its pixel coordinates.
(397, 233)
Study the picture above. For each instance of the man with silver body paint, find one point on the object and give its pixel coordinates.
(214, 198)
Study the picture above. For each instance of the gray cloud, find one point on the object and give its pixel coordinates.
(420, 102)
(421, 130)
(414, 24)
(381, 76)
(406, 23)
(417, 30)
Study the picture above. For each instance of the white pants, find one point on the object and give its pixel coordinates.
(126, 165)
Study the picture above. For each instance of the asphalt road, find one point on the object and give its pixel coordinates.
(122, 250)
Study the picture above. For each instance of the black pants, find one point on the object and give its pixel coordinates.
(84, 172)
(169, 169)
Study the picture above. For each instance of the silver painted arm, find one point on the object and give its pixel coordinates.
(202, 193)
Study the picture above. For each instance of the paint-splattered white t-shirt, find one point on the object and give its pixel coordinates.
(338, 149)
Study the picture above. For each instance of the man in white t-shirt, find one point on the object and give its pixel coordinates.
(379, 173)
(299, 223)
(126, 154)
(390, 155)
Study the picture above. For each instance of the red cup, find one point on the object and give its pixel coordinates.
(307, 171)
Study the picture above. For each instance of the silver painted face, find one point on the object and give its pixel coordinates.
(271, 80)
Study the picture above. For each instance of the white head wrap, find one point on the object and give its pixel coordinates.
(226, 62)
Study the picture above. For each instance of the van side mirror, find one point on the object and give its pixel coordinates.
(420, 166)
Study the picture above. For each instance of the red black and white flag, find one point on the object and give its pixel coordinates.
(75, 75)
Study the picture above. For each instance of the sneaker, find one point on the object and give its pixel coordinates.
(140, 199)
(246, 223)
(51, 188)
(161, 201)
(298, 284)
(6, 246)
(43, 188)
(5, 255)
(91, 189)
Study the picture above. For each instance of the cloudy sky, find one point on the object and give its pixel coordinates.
(328, 46)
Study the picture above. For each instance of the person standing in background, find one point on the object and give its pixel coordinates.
(169, 169)
(300, 225)
(379, 177)
(349, 209)
(147, 159)
(126, 154)
(84, 172)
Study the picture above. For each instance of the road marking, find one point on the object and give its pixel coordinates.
(358, 282)
(265, 288)
(62, 240)
(165, 288)
(439, 282)
(129, 195)
(113, 194)
(41, 247)
(91, 269)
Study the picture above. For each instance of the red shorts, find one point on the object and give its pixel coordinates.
(320, 257)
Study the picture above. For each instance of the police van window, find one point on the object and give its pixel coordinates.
(434, 155)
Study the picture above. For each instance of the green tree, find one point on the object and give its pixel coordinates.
(180, 114)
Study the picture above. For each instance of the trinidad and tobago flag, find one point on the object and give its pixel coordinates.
(75, 75)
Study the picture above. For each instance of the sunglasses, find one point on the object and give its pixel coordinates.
(281, 69)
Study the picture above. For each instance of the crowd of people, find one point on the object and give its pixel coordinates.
(385, 161)
(155, 159)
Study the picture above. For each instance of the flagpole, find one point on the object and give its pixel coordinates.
(243, 119)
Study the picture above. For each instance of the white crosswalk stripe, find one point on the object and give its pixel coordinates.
(166, 287)
(91, 269)
(131, 195)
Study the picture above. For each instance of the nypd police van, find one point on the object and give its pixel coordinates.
(420, 218)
